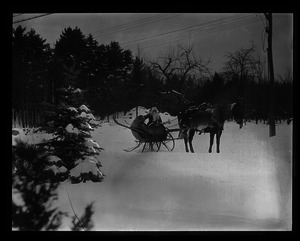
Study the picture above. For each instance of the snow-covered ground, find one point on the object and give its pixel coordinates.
(245, 187)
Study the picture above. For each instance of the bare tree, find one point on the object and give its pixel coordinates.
(239, 64)
(258, 69)
(180, 62)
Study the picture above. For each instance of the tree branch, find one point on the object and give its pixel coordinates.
(74, 211)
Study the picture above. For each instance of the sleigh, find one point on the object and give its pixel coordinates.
(152, 138)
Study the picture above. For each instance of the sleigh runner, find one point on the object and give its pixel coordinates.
(151, 138)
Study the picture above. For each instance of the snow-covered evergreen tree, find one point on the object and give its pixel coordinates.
(32, 208)
(72, 151)
(33, 196)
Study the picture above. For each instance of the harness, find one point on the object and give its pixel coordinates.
(187, 114)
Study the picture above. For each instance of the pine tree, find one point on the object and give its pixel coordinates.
(32, 208)
(72, 142)
(137, 83)
(33, 200)
(30, 58)
(113, 84)
(84, 222)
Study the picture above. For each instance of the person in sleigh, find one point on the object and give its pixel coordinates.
(155, 124)
(153, 117)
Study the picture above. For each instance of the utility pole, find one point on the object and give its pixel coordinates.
(272, 129)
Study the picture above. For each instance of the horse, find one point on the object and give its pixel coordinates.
(208, 120)
(205, 118)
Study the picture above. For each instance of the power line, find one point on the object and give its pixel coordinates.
(202, 33)
(126, 24)
(139, 23)
(183, 36)
(27, 19)
(179, 30)
(209, 32)
(136, 25)
(206, 28)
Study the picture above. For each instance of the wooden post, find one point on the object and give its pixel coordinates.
(272, 128)
(23, 118)
(13, 118)
(17, 113)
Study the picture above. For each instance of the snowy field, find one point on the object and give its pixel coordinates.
(245, 187)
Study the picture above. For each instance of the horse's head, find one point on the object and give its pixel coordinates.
(238, 113)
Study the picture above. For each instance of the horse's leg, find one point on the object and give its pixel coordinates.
(151, 146)
(190, 138)
(219, 133)
(185, 138)
(211, 140)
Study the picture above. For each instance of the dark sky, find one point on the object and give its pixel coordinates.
(212, 35)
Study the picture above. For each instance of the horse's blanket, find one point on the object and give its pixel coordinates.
(205, 108)
(142, 132)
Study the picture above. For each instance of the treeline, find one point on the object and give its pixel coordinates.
(256, 92)
(100, 73)
(108, 78)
